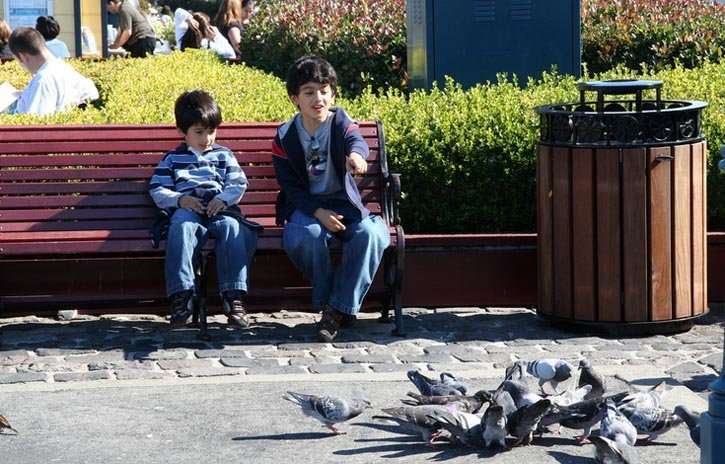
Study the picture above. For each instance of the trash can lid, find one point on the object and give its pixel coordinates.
(619, 86)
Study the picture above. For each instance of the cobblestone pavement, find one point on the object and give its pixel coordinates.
(120, 348)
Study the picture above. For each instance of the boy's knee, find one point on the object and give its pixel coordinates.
(296, 236)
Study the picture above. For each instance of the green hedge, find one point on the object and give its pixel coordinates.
(467, 157)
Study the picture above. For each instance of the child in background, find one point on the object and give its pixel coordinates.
(49, 29)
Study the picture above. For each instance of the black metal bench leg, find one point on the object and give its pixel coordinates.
(397, 301)
(389, 279)
(201, 296)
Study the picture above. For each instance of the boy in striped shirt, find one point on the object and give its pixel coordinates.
(201, 183)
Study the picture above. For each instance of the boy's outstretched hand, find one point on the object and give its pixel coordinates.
(330, 219)
(357, 164)
(215, 206)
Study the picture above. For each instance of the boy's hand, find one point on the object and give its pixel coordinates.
(192, 204)
(330, 219)
(357, 164)
(215, 206)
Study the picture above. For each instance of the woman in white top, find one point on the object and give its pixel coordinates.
(49, 29)
(195, 31)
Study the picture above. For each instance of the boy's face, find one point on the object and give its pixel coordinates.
(314, 101)
(199, 137)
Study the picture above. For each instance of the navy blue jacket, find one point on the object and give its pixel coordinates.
(289, 165)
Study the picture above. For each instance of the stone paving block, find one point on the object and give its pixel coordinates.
(276, 370)
(339, 353)
(62, 351)
(314, 361)
(207, 372)
(103, 356)
(177, 364)
(370, 359)
(339, 369)
(45, 367)
(114, 365)
(457, 367)
(450, 349)
(14, 353)
(280, 354)
(379, 368)
(557, 348)
(602, 355)
(427, 358)
(22, 377)
(210, 354)
(14, 360)
(686, 368)
(704, 347)
(473, 356)
(353, 345)
(163, 355)
(82, 376)
(299, 346)
(141, 374)
(714, 360)
(667, 346)
(249, 362)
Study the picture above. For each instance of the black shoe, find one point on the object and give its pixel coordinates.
(181, 309)
(236, 312)
(329, 324)
(348, 320)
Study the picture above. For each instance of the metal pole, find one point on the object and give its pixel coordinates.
(712, 423)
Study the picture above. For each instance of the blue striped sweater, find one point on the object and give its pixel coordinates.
(183, 172)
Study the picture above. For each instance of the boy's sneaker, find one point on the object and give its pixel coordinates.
(236, 312)
(181, 309)
(329, 324)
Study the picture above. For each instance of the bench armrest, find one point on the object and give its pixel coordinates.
(396, 194)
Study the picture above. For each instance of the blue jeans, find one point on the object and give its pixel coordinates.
(306, 242)
(234, 246)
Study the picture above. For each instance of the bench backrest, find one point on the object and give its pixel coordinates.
(58, 179)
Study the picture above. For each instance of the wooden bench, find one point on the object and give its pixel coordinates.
(75, 216)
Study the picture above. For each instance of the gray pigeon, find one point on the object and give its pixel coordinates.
(579, 416)
(470, 404)
(494, 426)
(449, 379)
(503, 398)
(571, 396)
(525, 421)
(550, 372)
(416, 419)
(651, 421)
(609, 452)
(4, 424)
(329, 410)
(692, 420)
(650, 398)
(430, 387)
(617, 427)
(464, 428)
(520, 393)
(587, 376)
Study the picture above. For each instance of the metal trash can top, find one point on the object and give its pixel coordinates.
(632, 122)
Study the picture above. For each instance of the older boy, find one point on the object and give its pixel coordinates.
(55, 86)
(201, 182)
(315, 155)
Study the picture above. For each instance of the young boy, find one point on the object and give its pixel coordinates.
(315, 155)
(201, 182)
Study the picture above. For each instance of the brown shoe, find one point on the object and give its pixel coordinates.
(181, 309)
(235, 311)
(329, 324)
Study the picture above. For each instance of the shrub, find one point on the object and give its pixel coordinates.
(657, 33)
(364, 40)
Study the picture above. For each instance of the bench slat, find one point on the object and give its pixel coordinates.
(80, 201)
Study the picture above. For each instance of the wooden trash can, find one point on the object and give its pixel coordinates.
(621, 214)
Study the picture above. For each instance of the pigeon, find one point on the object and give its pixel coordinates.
(520, 393)
(579, 416)
(609, 452)
(329, 410)
(571, 396)
(430, 387)
(651, 421)
(503, 398)
(470, 404)
(449, 379)
(4, 424)
(587, 376)
(550, 372)
(464, 428)
(525, 421)
(650, 398)
(617, 427)
(494, 426)
(416, 419)
(692, 420)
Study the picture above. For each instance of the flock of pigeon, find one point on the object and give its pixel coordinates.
(535, 397)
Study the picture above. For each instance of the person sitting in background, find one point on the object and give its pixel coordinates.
(135, 33)
(49, 29)
(194, 31)
(5, 32)
(231, 19)
(166, 17)
(55, 86)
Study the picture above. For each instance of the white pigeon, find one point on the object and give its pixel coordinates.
(329, 410)
(617, 427)
(571, 396)
(609, 452)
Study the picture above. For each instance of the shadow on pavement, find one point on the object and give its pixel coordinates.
(287, 436)
(565, 458)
